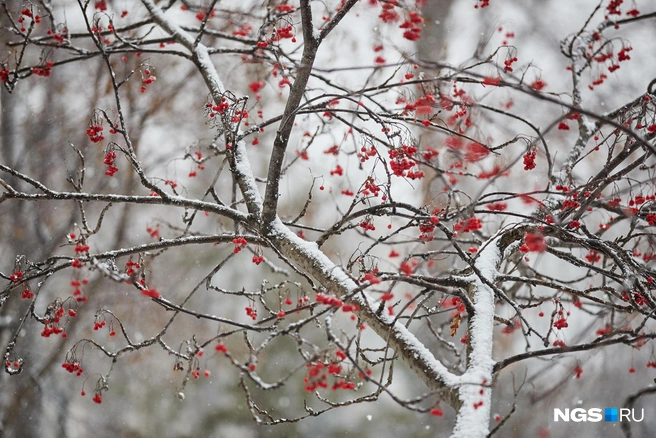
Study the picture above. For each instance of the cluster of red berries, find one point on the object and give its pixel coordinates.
(343, 384)
(408, 268)
(301, 300)
(623, 54)
(606, 330)
(256, 86)
(147, 80)
(388, 14)
(639, 299)
(284, 8)
(570, 202)
(284, 33)
(475, 152)
(367, 225)
(52, 329)
(422, 106)
(507, 66)
(239, 116)
(131, 267)
(370, 188)
(73, 367)
(94, 133)
(411, 25)
(242, 31)
(529, 159)
(492, 81)
(110, 158)
(16, 276)
(153, 231)
(43, 70)
(16, 365)
(497, 206)
(338, 170)
(77, 292)
(251, 312)
(200, 16)
(430, 153)
(640, 199)
(561, 323)
(221, 108)
(28, 13)
(458, 304)
(328, 300)
(366, 153)
(401, 162)
(58, 37)
(533, 242)
(315, 377)
(51, 323)
(593, 256)
(512, 327)
(651, 218)
(81, 247)
(598, 81)
(573, 116)
(471, 224)
(613, 8)
(371, 277)
(240, 243)
(4, 75)
(196, 373)
(318, 372)
(25, 12)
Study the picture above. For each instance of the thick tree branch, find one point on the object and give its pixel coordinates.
(311, 45)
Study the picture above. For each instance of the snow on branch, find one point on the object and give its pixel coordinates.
(475, 390)
(434, 374)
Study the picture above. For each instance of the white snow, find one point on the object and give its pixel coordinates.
(589, 125)
(207, 65)
(249, 189)
(475, 393)
(187, 41)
